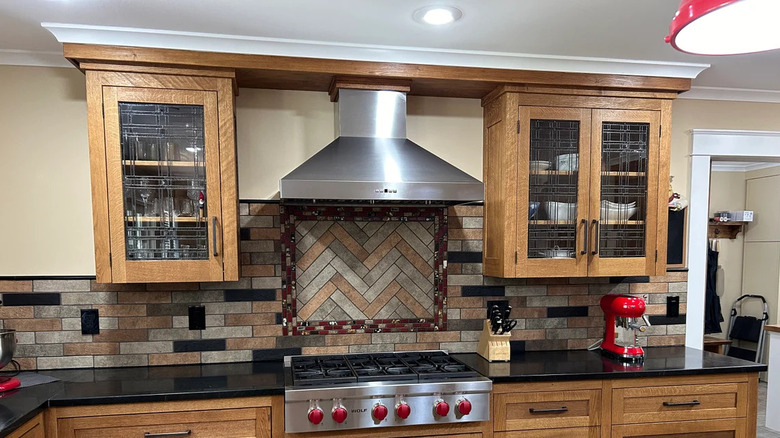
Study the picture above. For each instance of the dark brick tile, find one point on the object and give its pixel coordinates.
(665, 320)
(615, 280)
(465, 324)
(199, 345)
(278, 317)
(175, 309)
(566, 311)
(482, 291)
(245, 234)
(274, 354)
(250, 295)
(31, 299)
(300, 341)
(464, 257)
(516, 347)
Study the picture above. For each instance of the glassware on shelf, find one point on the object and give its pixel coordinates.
(145, 192)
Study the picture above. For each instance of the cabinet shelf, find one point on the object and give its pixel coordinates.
(150, 219)
(724, 230)
(618, 173)
(553, 172)
(631, 222)
(549, 222)
(145, 163)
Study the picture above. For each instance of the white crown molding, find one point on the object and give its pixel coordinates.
(210, 42)
(33, 59)
(736, 166)
(732, 94)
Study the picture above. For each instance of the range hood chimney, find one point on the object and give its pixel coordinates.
(372, 160)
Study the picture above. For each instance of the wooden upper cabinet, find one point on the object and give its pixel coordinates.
(575, 185)
(164, 189)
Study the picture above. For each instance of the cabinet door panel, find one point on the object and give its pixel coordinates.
(553, 163)
(624, 192)
(731, 428)
(163, 165)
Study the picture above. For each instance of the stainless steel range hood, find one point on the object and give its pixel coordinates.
(372, 160)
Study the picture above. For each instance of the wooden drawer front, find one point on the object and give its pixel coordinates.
(30, 429)
(545, 410)
(680, 402)
(227, 423)
(734, 428)
(575, 432)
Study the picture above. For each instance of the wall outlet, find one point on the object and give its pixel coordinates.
(672, 307)
(502, 305)
(197, 318)
(90, 322)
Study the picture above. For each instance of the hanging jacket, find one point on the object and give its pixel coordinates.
(713, 315)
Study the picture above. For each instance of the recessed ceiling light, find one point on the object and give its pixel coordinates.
(437, 15)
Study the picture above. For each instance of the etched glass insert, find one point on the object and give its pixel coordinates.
(164, 181)
(553, 188)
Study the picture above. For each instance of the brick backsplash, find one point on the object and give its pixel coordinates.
(147, 324)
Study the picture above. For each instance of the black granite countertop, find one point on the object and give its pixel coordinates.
(538, 366)
(197, 382)
(142, 384)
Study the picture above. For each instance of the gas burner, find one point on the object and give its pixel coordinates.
(424, 368)
(338, 373)
(453, 368)
(398, 370)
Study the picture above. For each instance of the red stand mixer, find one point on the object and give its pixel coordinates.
(7, 349)
(621, 314)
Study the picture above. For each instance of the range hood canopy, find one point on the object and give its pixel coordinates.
(372, 160)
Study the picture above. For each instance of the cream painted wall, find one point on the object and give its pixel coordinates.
(690, 114)
(44, 165)
(727, 192)
(45, 209)
(278, 130)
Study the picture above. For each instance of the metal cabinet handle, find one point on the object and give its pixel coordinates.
(164, 434)
(586, 232)
(596, 236)
(548, 411)
(690, 403)
(214, 234)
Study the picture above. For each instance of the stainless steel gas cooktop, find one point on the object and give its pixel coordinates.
(381, 390)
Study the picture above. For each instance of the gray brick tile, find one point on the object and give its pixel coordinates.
(382, 267)
(678, 287)
(555, 301)
(223, 308)
(464, 280)
(372, 348)
(305, 293)
(307, 276)
(266, 283)
(471, 268)
(39, 350)
(226, 356)
(347, 306)
(388, 309)
(354, 231)
(242, 283)
(122, 360)
(408, 268)
(257, 246)
(567, 333)
(525, 291)
(60, 285)
(470, 336)
(545, 323)
(145, 347)
(495, 281)
(199, 296)
(345, 260)
(61, 337)
(25, 338)
(408, 235)
(321, 314)
(264, 258)
(49, 363)
(379, 235)
(425, 235)
(175, 334)
(227, 332)
(381, 283)
(393, 338)
(57, 312)
(256, 221)
(472, 222)
(88, 298)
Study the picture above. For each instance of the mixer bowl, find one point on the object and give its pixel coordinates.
(7, 346)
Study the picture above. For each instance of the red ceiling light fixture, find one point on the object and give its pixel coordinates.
(725, 27)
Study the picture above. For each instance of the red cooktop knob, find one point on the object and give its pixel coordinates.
(316, 415)
(403, 410)
(379, 412)
(339, 415)
(464, 407)
(442, 408)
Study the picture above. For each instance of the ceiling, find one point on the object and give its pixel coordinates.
(491, 31)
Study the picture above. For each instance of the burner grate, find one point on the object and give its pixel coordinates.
(332, 370)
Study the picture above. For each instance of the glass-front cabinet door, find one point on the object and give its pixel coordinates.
(553, 198)
(624, 192)
(163, 175)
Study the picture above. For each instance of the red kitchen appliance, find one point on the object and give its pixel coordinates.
(7, 349)
(621, 315)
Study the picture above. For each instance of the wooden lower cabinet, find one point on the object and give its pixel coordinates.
(227, 418)
(31, 429)
(711, 406)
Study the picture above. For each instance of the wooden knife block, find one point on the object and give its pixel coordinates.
(493, 347)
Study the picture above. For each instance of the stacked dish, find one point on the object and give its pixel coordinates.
(561, 211)
(538, 165)
(613, 211)
(533, 207)
(556, 253)
(567, 162)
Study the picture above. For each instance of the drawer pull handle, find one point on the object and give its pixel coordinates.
(690, 403)
(167, 434)
(548, 411)
(214, 234)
